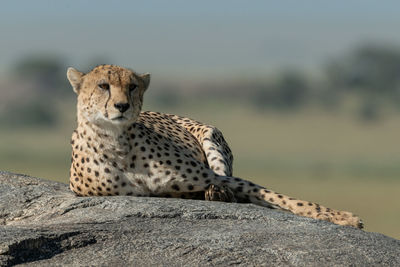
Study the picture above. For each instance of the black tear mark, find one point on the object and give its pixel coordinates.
(105, 107)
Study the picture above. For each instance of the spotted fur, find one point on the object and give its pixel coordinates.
(119, 150)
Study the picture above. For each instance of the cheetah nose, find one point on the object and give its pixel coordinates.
(122, 107)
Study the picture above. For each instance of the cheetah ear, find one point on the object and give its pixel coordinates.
(75, 78)
(146, 80)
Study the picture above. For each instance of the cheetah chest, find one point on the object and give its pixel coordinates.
(142, 161)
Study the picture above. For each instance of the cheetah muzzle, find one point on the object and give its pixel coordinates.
(119, 150)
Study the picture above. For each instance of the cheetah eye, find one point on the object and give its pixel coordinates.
(104, 86)
(132, 87)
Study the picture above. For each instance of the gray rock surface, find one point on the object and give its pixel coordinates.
(43, 223)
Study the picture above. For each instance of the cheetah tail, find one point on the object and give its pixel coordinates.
(264, 197)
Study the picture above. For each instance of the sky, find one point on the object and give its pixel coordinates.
(194, 38)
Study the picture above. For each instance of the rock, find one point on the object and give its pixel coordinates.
(44, 224)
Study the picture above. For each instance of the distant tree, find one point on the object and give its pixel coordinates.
(292, 90)
(289, 92)
(35, 114)
(372, 72)
(46, 71)
(328, 97)
(369, 110)
(369, 69)
(44, 77)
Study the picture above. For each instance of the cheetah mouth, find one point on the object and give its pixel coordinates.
(119, 118)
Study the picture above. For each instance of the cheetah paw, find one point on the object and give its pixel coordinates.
(219, 193)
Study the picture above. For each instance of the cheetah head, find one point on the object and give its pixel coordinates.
(109, 95)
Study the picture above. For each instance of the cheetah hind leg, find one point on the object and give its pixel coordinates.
(258, 195)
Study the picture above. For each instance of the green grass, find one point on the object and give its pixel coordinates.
(43, 153)
(331, 158)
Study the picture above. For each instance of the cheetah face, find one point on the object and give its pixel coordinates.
(109, 95)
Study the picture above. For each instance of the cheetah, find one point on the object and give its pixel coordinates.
(117, 149)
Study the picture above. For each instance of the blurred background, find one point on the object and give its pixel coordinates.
(306, 93)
